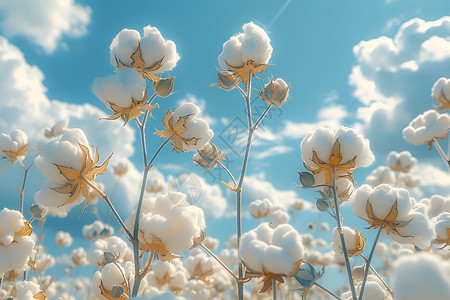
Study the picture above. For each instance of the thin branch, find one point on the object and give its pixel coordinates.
(111, 206)
(327, 290)
(274, 289)
(219, 261)
(376, 274)
(441, 153)
(341, 236)
(228, 172)
(366, 271)
(262, 116)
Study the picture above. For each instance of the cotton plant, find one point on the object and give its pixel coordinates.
(97, 230)
(260, 209)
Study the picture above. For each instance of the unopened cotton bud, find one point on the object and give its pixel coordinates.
(276, 92)
(227, 80)
(164, 86)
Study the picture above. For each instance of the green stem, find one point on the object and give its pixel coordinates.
(241, 182)
(369, 260)
(341, 236)
(135, 239)
(326, 290)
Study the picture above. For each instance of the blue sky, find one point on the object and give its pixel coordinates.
(313, 49)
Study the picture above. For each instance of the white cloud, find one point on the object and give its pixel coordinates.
(44, 22)
(272, 151)
(393, 77)
(434, 179)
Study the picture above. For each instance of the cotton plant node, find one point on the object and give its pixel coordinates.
(233, 189)
(79, 182)
(12, 156)
(267, 277)
(245, 70)
(131, 112)
(158, 247)
(173, 131)
(138, 64)
(389, 223)
(335, 159)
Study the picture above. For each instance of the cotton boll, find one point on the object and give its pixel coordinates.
(374, 290)
(427, 126)
(381, 175)
(441, 93)
(16, 246)
(44, 261)
(354, 241)
(15, 143)
(63, 239)
(200, 265)
(211, 243)
(421, 276)
(260, 208)
(409, 180)
(110, 275)
(278, 217)
(123, 46)
(270, 250)
(57, 129)
(113, 244)
(381, 250)
(172, 220)
(442, 227)
(196, 290)
(26, 290)
(253, 44)
(120, 89)
(78, 256)
(437, 204)
(402, 162)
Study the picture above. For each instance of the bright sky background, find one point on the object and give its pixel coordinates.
(362, 64)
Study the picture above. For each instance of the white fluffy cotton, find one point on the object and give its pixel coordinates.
(97, 230)
(260, 208)
(153, 48)
(352, 241)
(441, 90)
(374, 290)
(253, 44)
(111, 275)
(26, 290)
(171, 219)
(402, 161)
(121, 88)
(63, 239)
(63, 151)
(13, 142)
(442, 227)
(277, 251)
(113, 244)
(322, 140)
(427, 126)
(15, 250)
(421, 276)
(436, 205)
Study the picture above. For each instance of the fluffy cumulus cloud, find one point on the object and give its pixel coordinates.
(45, 22)
(25, 106)
(385, 70)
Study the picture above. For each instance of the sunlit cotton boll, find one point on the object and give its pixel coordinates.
(374, 290)
(63, 239)
(442, 227)
(56, 129)
(172, 220)
(260, 208)
(110, 275)
(187, 132)
(229, 256)
(437, 204)
(44, 261)
(63, 151)
(354, 241)
(120, 89)
(196, 290)
(317, 146)
(27, 290)
(441, 93)
(253, 44)
(421, 276)
(267, 250)
(153, 48)
(16, 246)
(381, 175)
(402, 162)
(78, 256)
(278, 217)
(393, 208)
(426, 127)
(13, 146)
(113, 244)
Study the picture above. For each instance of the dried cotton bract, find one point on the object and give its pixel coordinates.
(208, 156)
(345, 150)
(247, 52)
(354, 241)
(426, 127)
(169, 224)
(271, 253)
(70, 168)
(441, 93)
(150, 55)
(186, 131)
(13, 147)
(16, 244)
(125, 93)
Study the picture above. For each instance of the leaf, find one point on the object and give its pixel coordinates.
(306, 179)
(322, 205)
